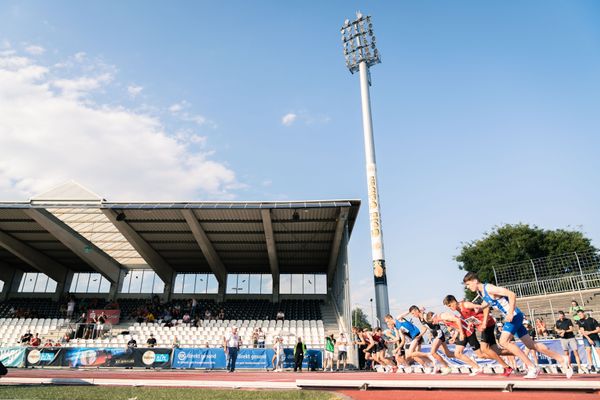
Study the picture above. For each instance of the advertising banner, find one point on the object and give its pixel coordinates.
(13, 356)
(153, 358)
(199, 358)
(45, 357)
(112, 316)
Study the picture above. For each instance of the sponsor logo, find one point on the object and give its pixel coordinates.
(149, 357)
(34, 356)
(181, 356)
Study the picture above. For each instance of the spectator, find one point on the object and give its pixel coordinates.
(48, 343)
(280, 316)
(231, 345)
(342, 345)
(589, 329)
(150, 317)
(194, 307)
(221, 315)
(151, 342)
(70, 308)
(35, 341)
(207, 314)
(329, 350)
(255, 338)
(26, 338)
(299, 352)
(175, 343)
(279, 355)
(261, 338)
(540, 327)
(66, 338)
(186, 318)
(57, 344)
(566, 332)
(574, 310)
(132, 343)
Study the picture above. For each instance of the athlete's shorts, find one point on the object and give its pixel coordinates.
(380, 347)
(439, 335)
(488, 336)
(469, 340)
(515, 327)
(342, 355)
(328, 355)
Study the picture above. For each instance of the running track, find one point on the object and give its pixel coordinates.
(136, 377)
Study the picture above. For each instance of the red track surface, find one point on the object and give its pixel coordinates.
(255, 376)
(382, 394)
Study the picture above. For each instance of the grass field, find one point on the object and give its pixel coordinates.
(138, 393)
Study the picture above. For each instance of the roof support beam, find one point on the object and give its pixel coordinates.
(273, 261)
(34, 257)
(337, 242)
(216, 265)
(151, 256)
(77, 243)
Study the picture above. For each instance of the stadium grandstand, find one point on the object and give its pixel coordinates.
(547, 285)
(185, 270)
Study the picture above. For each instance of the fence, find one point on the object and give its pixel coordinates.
(556, 274)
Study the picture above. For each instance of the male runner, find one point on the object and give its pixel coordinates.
(408, 329)
(505, 301)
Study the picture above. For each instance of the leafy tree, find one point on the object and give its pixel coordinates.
(520, 243)
(359, 319)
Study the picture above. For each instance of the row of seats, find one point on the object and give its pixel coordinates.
(11, 329)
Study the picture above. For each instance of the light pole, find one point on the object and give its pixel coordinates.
(361, 52)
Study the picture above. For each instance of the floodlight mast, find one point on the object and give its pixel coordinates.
(361, 52)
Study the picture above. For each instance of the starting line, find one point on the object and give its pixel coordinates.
(360, 384)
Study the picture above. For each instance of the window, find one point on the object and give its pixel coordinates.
(303, 284)
(36, 282)
(85, 282)
(142, 281)
(249, 283)
(196, 284)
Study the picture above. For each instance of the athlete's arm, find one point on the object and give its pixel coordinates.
(452, 318)
(401, 316)
(512, 299)
(484, 318)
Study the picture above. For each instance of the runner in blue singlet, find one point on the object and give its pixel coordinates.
(505, 301)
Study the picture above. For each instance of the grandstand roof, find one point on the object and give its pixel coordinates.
(80, 231)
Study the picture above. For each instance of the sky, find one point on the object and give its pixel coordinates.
(484, 113)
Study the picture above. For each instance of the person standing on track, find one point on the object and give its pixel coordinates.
(505, 301)
(231, 344)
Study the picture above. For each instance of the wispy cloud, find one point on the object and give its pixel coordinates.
(305, 117)
(288, 119)
(52, 128)
(35, 50)
(181, 110)
(134, 90)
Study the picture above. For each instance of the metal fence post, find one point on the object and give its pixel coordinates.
(537, 282)
(580, 272)
(552, 311)
(495, 276)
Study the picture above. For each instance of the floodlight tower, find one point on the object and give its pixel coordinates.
(361, 53)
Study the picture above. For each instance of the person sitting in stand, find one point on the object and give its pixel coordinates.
(35, 341)
(186, 318)
(48, 343)
(132, 343)
(280, 316)
(207, 314)
(151, 342)
(26, 338)
(221, 315)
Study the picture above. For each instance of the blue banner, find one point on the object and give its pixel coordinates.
(199, 358)
(247, 359)
(13, 356)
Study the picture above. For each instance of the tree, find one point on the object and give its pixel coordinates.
(359, 319)
(521, 243)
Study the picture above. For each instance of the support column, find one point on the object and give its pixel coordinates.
(7, 275)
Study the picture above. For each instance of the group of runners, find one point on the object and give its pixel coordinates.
(464, 324)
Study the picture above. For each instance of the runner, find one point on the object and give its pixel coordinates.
(489, 346)
(408, 329)
(505, 301)
(464, 334)
(432, 322)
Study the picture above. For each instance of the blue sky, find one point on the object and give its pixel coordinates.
(484, 113)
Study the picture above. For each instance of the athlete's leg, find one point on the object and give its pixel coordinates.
(507, 343)
(433, 352)
(458, 354)
(488, 352)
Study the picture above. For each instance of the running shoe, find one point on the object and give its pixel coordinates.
(532, 373)
(446, 371)
(476, 371)
(507, 371)
(566, 367)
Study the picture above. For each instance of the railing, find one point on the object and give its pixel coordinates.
(572, 283)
